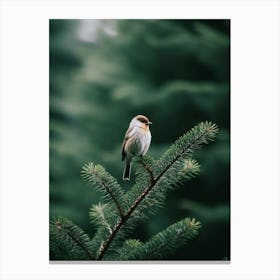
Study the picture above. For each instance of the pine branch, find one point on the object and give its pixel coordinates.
(188, 173)
(115, 218)
(183, 147)
(97, 216)
(129, 247)
(147, 168)
(186, 144)
(163, 243)
(105, 183)
(69, 238)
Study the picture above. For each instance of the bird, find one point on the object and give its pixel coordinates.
(136, 142)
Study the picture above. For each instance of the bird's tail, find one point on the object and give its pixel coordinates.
(126, 171)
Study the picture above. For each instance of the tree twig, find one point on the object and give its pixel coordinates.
(147, 168)
(138, 200)
(60, 227)
(80, 244)
(112, 196)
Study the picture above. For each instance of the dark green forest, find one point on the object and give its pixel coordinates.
(176, 72)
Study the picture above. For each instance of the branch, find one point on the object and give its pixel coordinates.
(147, 168)
(112, 196)
(81, 245)
(96, 174)
(162, 243)
(202, 138)
(80, 239)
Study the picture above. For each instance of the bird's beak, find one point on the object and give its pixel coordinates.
(149, 122)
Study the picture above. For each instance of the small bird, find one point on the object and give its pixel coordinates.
(136, 142)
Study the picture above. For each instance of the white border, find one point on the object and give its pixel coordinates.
(254, 153)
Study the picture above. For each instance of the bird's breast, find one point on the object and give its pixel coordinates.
(139, 142)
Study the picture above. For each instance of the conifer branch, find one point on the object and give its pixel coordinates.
(147, 168)
(162, 243)
(91, 257)
(106, 187)
(115, 217)
(97, 216)
(96, 174)
(73, 235)
(202, 133)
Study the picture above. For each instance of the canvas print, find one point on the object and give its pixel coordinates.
(139, 140)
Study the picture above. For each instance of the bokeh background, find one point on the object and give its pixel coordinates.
(177, 72)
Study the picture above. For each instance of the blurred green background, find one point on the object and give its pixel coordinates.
(177, 72)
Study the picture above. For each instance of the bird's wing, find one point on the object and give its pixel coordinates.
(128, 134)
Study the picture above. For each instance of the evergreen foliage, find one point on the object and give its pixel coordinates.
(97, 176)
(119, 211)
(176, 72)
(68, 241)
(162, 243)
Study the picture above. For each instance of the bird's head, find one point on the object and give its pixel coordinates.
(140, 121)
